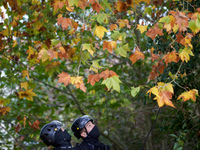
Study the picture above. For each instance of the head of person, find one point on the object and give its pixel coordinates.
(84, 127)
(53, 134)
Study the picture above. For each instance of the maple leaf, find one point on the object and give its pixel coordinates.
(189, 95)
(123, 23)
(92, 79)
(142, 28)
(135, 91)
(165, 87)
(112, 82)
(64, 78)
(58, 4)
(121, 6)
(152, 33)
(43, 55)
(136, 56)
(28, 94)
(31, 53)
(99, 31)
(52, 54)
(185, 54)
(35, 125)
(51, 66)
(82, 4)
(96, 6)
(4, 110)
(88, 47)
(182, 21)
(78, 82)
(113, 27)
(171, 57)
(64, 22)
(107, 74)
(24, 85)
(25, 73)
(122, 50)
(164, 98)
(109, 45)
(95, 66)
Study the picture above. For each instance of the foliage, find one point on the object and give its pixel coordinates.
(61, 59)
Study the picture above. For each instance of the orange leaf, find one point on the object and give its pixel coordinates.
(64, 22)
(152, 33)
(107, 45)
(107, 74)
(52, 54)
(4, 110)
(121, 6)
(82, 4)
(113, 27)
(64, 78)
(58, 4)
(171, 57)
(35, 125)
(189, 95)
(78, 82)
(165, 97)
(136, 56)
(92, 79)
(96, 6)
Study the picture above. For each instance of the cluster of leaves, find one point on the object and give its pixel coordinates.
(81, 56)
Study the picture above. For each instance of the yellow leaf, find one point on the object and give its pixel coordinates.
(175, 28)
(167, 27)
(78, 82)
(154, 90)
(165, 87)
(142, 28)
(88, 47)
(27, 94)
(25, 73)
(189, 95)
(24, 85)
(185, 54)
(99, 31)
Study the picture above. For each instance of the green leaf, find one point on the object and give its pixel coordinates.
(193, 26)
(105, 2)
(102, 17)
(122, 50)
(54, 42)
(165, 19)
(89, 48)
(112, 82)
(95, 66)
(73, 2)
(135, 91)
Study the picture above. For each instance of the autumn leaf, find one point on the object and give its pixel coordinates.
(96, 6)
(64, 78)
(164, 98)
(165, 87)
(82, 4)
(136, 56)
(142, 28)
(89, 48)
(107, 74)
(17, 128)
(109, 45)
(4, 110)
(43, 55)
(92, 79)
(171, 57)
(185, 54)
(25, 73)
(113, 27)
(194, 27)
(123, 23)
(78, 82)
(121, 6)
(112, 82)
(24, 85)
(52, 54)
(189, 95)
(64, 22)
(153, 32)
(99, 31)
(28, 94)
(35, 125)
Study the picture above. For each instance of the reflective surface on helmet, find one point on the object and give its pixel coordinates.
(58, 124)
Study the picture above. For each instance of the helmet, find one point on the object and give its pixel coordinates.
(47, 133)
(79, 124)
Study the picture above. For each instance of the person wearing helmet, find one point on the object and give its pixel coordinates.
(53, 134)
(84, 127)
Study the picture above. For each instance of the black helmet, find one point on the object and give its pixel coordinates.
(79, 124)
(47, 133)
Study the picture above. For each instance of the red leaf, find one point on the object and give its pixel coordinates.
(96, 6)
(92, 79)
(152, 33)
(107, 74)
